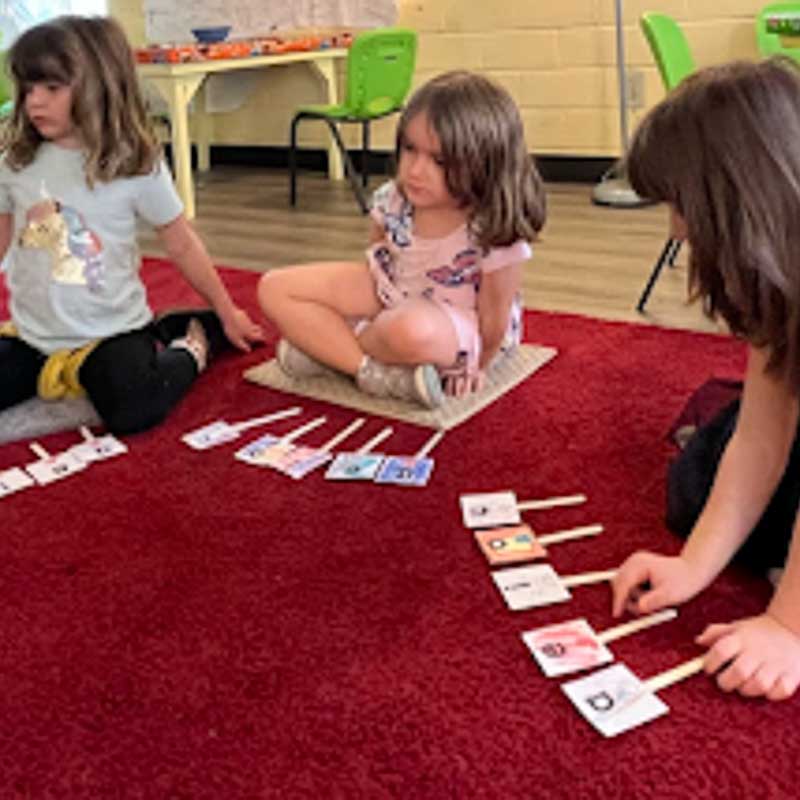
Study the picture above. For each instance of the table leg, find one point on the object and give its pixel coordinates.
(203, 130)
(178, 91)
(326, 70)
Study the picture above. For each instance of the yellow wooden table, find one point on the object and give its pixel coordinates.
(178, 83)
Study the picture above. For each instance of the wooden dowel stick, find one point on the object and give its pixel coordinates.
(86, 433)
(343, 434)
(588, 577)
(39, 450)
(617, 632)
(551, 502)
(252, 423)
(571, 533)
(685, 670)
(298, 432)
(375, 440)
(430, 444)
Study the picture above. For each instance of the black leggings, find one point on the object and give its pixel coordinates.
(133, 379)
(692, 474)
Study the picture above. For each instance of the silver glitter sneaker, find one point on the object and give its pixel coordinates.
(420, 384)
(297, 364)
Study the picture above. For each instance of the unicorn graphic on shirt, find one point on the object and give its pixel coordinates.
(74, 250)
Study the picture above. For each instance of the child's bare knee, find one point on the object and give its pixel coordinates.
(271, 291)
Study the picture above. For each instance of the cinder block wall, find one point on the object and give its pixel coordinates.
(557, 58)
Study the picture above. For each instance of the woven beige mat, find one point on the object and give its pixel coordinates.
(502, 377)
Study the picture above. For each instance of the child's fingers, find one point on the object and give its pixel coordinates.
(725, 650)
(713, 633)
(625, 585)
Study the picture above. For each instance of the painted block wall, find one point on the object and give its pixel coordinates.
(556, 57)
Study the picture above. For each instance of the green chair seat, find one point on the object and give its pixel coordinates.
(380, 68)
(771, 44)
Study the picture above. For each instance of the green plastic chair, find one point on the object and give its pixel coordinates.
(675, 62)
(770, 44)
(6, 89)
(380, 66)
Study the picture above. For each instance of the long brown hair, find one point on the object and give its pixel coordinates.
(724, 150)
(487, 167)
(93, 57)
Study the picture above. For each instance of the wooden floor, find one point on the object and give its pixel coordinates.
(591, 260)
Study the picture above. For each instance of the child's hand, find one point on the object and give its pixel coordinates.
(757, 656)
(647, 582)
(241, 330)
(461, 383)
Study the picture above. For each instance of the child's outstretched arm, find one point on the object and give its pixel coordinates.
(749, 472)
(185, 248)
(496, 295)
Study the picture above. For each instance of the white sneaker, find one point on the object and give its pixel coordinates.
(297, 364)
(420, 384)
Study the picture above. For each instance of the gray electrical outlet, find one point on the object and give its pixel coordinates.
(635, 84)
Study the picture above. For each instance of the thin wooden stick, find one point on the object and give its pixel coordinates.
(430, 444)
(39, 450)
(343, 434)
(246, 424)
(670, 676)
(551, 502)
(571, 533)
(298, 432)
(86, 433)
(375, 440)
(588, 577)
(617, 632)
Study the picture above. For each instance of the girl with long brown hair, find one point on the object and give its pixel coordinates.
(80, 165)
(438, 294)
(723, 151)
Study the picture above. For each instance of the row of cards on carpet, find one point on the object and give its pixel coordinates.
(613, 699)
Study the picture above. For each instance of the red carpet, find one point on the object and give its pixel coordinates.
(178, 624)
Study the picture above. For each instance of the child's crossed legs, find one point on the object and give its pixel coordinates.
(313, 306)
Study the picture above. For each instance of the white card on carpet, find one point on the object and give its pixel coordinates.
(614, 700)
(54, 468)
(354, 467)
(14, 480)
(490, 509)
(98, 448)
(528, 587)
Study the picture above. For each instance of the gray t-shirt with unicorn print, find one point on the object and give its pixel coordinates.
(72, 267)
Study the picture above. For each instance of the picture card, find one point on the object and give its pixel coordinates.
(14, 480)
(509, 545)
(354, 467)
(405, 471)
(53, 468)
(264, 451)
(566, 647)
(490, 510)
(574, 645)
(220, 431)
(529, 587)
(614, 700)
(98, 448)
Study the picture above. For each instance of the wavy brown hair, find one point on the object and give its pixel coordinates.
(487, 166)
(93, 57)
(724, 150)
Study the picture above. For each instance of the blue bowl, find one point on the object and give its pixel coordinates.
(219, 33)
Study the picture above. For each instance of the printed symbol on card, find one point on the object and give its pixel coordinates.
(509, 545)
(211, 435)
(614, 700)
(354, 467)
(528, 587)
(405, 471)
(98, 448)
(566, 647)
(14, 480)
(490, 510)
(54, 468)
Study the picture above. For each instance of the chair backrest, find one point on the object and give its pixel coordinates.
(770, 44)
(669, 46)
(380, 66)
(6, 86)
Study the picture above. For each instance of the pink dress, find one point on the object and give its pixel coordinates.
(446, 271)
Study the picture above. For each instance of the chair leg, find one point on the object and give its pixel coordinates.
(364, 153)
(349, 168)
(662, 259)
(676, 246)
(293, 161)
